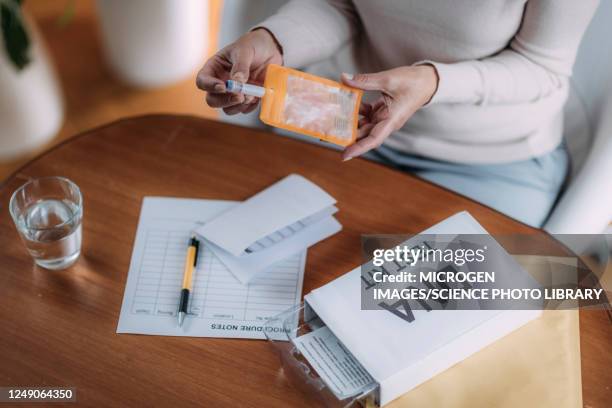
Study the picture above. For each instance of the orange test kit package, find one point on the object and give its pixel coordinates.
(306, 104)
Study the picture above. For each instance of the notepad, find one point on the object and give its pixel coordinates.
(221, 305)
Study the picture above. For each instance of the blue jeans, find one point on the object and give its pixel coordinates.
(524, 190)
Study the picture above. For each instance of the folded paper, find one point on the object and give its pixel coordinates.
(275, 223)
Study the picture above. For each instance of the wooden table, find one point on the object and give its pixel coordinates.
(59, 327)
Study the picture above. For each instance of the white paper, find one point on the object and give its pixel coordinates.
(248, 267)
(341, 372)
(222, 306)
(291, 200)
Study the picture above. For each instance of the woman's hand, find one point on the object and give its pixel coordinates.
(404, 90)
(244, 60)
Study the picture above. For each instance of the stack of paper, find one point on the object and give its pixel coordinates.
(221, 306)
(274, 224)
(250, 265)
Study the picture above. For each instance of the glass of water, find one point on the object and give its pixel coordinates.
(48, 213)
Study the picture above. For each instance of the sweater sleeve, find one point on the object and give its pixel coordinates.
(535, 65)
(312, 30)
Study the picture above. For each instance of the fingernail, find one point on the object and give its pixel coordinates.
(347, 159)
(239, 76)
(348, 76)
(219, 88)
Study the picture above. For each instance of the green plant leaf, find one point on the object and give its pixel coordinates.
(16, 39)
(67, 15)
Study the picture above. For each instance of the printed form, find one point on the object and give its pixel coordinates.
(221, 306)
(340, 370)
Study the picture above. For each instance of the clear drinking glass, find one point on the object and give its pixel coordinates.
(47, 213)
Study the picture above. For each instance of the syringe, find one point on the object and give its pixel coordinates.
(246, 89)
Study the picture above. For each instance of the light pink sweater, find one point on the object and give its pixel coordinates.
(503, 65)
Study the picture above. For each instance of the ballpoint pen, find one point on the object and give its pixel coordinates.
(191, 262)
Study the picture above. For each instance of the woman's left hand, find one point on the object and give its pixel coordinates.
(404, 91)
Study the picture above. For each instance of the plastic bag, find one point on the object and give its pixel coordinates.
(306, 104)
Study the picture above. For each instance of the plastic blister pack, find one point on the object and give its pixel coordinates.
(282, 331)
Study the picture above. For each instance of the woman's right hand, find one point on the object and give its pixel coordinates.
(244, 60)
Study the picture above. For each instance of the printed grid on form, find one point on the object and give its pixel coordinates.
(216, 292)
